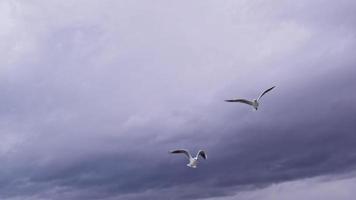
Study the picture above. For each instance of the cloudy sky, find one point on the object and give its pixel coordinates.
(95, 93)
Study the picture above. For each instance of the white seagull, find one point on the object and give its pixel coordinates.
(193, 161)
(254, 103)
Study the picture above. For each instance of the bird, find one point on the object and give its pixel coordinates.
(254, 103)
(193, 161)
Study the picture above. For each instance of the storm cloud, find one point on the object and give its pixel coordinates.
(95, 94)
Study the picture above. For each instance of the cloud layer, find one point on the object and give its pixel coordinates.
(95, 94)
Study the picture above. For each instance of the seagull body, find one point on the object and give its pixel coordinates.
(254, 103)
(193, 161)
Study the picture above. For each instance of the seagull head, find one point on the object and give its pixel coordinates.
(192, 165)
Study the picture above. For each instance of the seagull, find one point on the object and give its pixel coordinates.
(193, 161)
(254, 103)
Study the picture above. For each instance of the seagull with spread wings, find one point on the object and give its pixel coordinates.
(254, 103)
(193, 161)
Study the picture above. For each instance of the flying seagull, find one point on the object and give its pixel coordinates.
(254, 103)
(193, 161)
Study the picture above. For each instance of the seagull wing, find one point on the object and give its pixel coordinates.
(202, 154)
(240, 101)
(263, 93)
(186, 152)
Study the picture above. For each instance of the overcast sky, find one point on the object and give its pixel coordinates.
(95, 93)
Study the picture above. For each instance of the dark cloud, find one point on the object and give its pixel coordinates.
(284, 141)
(93, 116)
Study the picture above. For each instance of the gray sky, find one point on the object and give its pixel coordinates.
(95, 93)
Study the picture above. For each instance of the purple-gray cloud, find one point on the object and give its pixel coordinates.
(95, 94)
